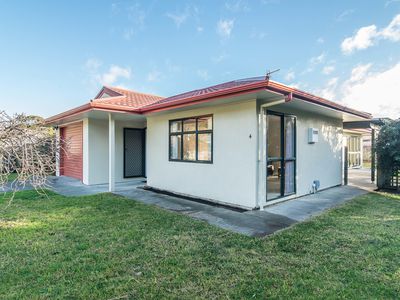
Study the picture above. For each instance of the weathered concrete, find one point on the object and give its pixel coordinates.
(251, 223)
(303, 208)
(68, 186)
(244, 223)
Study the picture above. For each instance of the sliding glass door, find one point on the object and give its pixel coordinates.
(281, 155)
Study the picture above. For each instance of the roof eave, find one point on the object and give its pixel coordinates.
(276, 87)
(250, 88)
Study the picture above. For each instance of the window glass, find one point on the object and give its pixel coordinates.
(175, 147)
(176, 126)
(205, 123)
(189, 125)
(289, 137)
(189, 146)
(204, 146)
(289, 177)
(274, 136)
(274, 181)
(190, 139)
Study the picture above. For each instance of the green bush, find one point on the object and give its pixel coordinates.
(388, 152)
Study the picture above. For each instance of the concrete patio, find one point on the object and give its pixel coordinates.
(251, 223)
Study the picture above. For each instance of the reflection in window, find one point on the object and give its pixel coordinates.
(191, 139)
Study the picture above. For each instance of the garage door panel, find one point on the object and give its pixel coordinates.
(72, 155)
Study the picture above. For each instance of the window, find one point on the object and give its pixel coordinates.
(191, 139)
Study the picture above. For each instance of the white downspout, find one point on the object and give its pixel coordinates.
(262, 153)
(111, 153)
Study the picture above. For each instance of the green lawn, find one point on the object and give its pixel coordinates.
(104, 246)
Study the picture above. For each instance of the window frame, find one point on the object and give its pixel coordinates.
(196, 132)
(282, 159)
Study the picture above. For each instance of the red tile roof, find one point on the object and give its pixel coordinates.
(213, 89)
(122, 100)
(125, 98)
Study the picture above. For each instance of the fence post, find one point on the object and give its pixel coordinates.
(346, 165)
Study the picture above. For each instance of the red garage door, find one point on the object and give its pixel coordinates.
(72, 154)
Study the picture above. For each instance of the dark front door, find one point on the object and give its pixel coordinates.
(134, 152)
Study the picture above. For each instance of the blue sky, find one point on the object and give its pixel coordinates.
(55, 55)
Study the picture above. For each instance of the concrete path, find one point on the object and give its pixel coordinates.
(251, 223)
(303, 208)
(244, 223)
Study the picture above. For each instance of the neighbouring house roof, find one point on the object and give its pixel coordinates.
(111, 99)
(122, 100)
(125, 98)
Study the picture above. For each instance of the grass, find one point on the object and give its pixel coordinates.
(105, 246)
(366, 164)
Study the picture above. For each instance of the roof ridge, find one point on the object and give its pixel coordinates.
(130, 91)
(108, 98)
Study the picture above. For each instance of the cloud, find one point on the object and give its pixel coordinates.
(290, 76)
(313, 62)
(392, 31)
(97, 75)
(199, 29)
(329, 92)
(237, 6)
(368, 36)
(391, 2)
(375, 93)
(359, 73)
(363, 39)
(133, 16)
(328, 69)
(128, 34)
(137, 15)
(113, 74)
(203, 74)
(320, 40)
(154, 75)
(179, 18)
(219, 58)
(344, 14)
(225, 27)
(317, 59)
(256, 34)
(92, 64)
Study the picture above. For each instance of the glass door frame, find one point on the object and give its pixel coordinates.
(282, 159)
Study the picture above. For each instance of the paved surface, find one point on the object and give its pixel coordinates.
(251, 223)
(303, 208)
(361, 178)
(72, 187)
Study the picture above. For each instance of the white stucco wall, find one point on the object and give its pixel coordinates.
(231, 178)
(98, 149)
(320, 161)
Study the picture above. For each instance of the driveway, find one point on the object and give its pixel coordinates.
(251, 223)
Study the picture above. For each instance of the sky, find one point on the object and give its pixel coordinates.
(56, 55)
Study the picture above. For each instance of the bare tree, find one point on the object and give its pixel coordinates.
(28, 152)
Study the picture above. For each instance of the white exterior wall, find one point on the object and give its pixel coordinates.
(231, 178)
(98, 149)
(320, 161)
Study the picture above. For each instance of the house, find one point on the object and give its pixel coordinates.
(245, 143)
